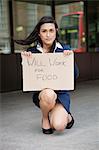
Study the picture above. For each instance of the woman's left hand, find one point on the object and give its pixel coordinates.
(67, 52)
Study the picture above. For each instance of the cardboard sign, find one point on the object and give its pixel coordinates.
(48, 70)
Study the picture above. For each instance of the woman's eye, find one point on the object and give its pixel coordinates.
(44, 31)
(51, 30)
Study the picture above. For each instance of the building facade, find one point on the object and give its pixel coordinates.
(78, 22)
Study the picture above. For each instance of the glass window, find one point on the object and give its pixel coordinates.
(93, 26)
(70, 18)
(4, 27)
(26, 16)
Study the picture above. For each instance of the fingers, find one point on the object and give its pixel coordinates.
(25, 53)
(67, 52)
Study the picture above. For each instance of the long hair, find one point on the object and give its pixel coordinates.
(34, 36)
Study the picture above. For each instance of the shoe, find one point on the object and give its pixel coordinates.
(47, 131)
(71, 123)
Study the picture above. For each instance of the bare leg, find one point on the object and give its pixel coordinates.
(47, 103)
(59, 117)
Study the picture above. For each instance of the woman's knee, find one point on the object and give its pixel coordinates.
(58, 125)
(48, 96)
(59, 117)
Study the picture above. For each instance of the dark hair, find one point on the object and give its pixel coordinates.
(34, 36)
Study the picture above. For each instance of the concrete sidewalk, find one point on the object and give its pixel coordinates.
(20, 122)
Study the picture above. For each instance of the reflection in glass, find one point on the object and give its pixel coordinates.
(26, 17)
(72, 30)
(71, 25)
(4, 28)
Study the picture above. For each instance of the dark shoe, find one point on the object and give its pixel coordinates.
(71, 123)
(47, 131)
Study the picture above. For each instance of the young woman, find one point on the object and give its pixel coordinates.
(54, 105)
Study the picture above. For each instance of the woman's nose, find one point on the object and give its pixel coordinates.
(48, 34)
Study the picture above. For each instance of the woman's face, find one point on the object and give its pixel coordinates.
(47, 33)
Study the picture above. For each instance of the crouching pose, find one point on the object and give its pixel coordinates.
(54, 105)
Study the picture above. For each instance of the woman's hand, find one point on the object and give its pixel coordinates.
(67, 52)
(27, 54)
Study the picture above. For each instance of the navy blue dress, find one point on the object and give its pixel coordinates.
(63, 96)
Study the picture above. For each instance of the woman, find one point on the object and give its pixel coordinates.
(54, 105)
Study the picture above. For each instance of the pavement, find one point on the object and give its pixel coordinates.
(20, 122)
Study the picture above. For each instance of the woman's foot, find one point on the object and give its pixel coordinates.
(46, 128)
(47, 131)
(71, 122)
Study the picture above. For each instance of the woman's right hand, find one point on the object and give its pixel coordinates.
(25, 53)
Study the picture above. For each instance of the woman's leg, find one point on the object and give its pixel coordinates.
(47, 102)
(59, 117)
